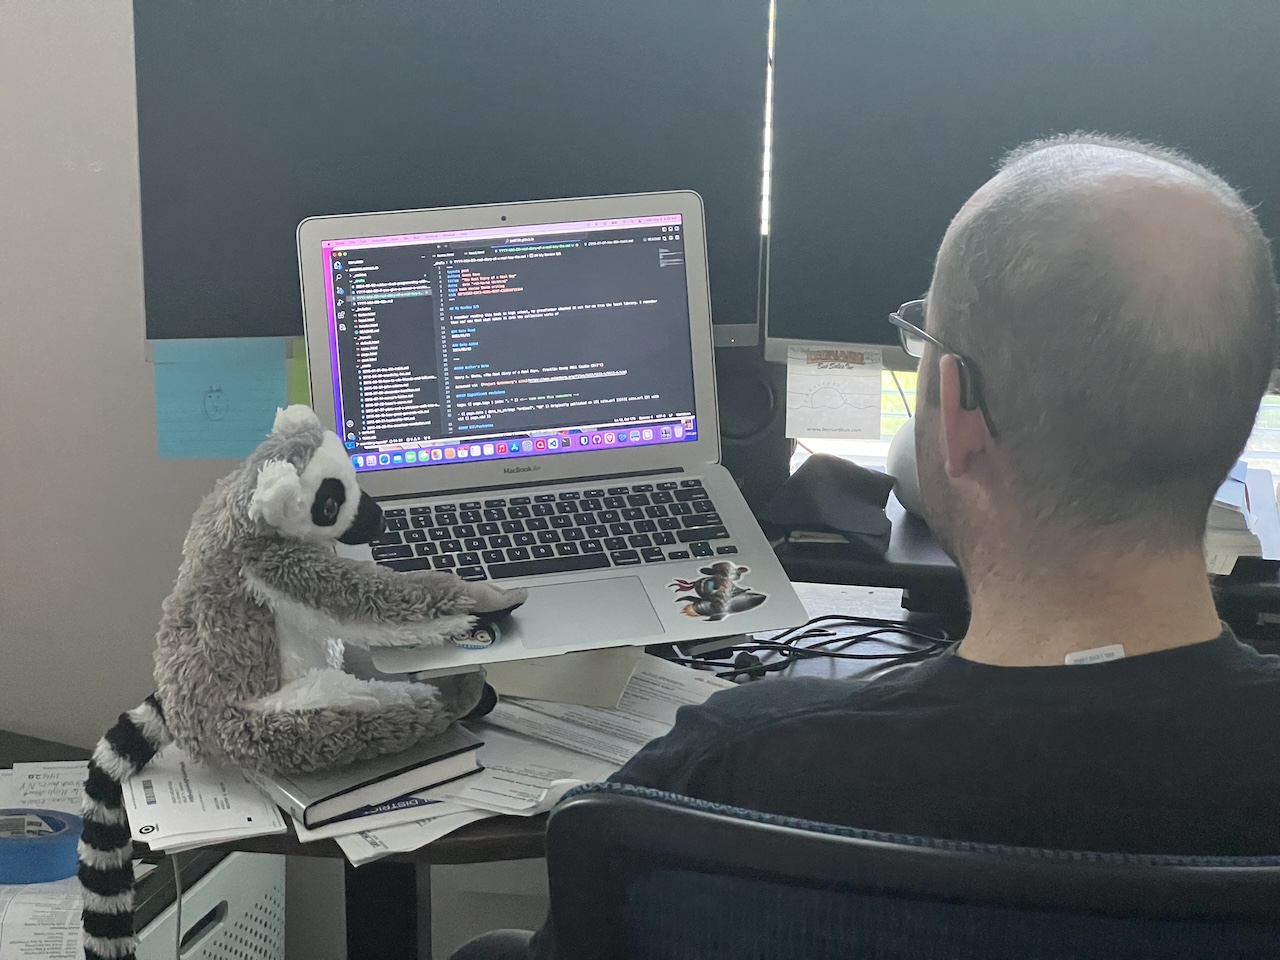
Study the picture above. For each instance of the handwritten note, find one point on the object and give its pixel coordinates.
(833, 394)
(217, 398)
(50, 785)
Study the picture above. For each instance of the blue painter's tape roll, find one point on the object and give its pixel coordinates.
(38, 846)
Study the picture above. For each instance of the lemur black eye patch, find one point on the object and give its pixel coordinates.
(329, 500)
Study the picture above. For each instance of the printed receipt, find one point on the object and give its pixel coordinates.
(646, 711)
(40, 921)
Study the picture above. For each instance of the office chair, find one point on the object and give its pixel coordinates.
(645, 875)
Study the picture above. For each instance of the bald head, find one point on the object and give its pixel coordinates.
(1119, 303)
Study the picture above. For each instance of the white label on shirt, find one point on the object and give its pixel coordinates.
(1097, 655)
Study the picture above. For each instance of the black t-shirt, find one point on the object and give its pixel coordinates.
(1170, 752)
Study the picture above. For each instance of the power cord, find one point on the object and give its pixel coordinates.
(177, 887)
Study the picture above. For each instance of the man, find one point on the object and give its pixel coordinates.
(1099, 331)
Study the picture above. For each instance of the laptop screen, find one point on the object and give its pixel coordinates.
(510, 342)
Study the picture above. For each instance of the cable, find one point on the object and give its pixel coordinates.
(177, 886)
(901, 392)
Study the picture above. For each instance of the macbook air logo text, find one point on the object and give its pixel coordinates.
(520, 469)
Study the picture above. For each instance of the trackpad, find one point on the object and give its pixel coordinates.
(608, 612)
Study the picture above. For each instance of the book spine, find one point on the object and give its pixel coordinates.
(281, 799)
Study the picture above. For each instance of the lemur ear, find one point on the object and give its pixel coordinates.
(277, 496)
(292, 417)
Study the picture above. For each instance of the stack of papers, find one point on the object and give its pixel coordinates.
(1242, 520)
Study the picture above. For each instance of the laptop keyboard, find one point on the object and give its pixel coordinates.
(570, 530)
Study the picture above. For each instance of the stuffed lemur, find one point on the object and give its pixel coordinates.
(250, 648)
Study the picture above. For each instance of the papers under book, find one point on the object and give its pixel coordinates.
(317, 798)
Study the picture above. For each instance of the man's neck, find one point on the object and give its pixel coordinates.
(1026, 615)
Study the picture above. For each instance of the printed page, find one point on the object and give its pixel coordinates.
(369, 845)
(833, 393)
(408, 809)
(40, 921)
(178, 800)
(522, 776)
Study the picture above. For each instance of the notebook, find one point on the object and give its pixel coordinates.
(528, 390)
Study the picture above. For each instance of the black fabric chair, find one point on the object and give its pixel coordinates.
(646, 875)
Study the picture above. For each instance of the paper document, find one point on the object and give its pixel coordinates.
(177, 803)
(646, 711)
(40, 921)
(522, 776)
(833, 393)
(405, 810)
(369, 845)
(45, 785)
(593, 678)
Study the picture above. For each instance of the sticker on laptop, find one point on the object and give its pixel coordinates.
(482, 637)
(717, 593)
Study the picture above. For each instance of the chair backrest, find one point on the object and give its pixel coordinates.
(642, 874)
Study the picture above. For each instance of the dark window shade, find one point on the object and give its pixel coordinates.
(889, 115)
(255, 114)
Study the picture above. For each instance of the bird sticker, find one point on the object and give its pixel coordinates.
(718, 593)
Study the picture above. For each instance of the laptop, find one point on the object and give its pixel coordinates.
(528, 390)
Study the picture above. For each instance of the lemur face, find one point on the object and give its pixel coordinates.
(320, 502)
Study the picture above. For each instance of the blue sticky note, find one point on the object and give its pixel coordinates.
(217, 398)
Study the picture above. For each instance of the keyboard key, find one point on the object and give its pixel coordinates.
(633, 513)
(396, 523)
(471, 573)
(422, 520)
(450, 546)
(439, 533)
(573, 533)
(512, 526)
(590, 503)
(679, 509)
(415, 563)
(700, 549)
(592, 546)
(584, 519)
(542, 551)
(655, 511)
(524, 539)
(418, 511)
(678, 555)
(668, 485)
(474, 543)
(501, 540)
(566, 506)
(544, 498)
(390, 537)
(495, 513)
(515, 553)
(567, 549)
(652, 554)
(702, 533)
(593, 492)
(444, 562)
(590, 561)
(470, 516)
(620, 529)
(519, 512)
(415, 536)
(468, 559)
(704, 506)
(662, 496)
(726, 550)
(393, 552)
(426, 550)
(597, 531)
(669, 523)
(487, 529)
(685, 496)
(618, 491)
(569, 495)
(446, 519)
(549, 536)
(470, 505)
(690, 483)
(393, 512)
(615, 543)
(642, 488)
(615, 503)
(664, 538)
(537, 523)
(561, 522)
(701, 520)
(520, 501)
(624, 558)
(499, 502)
(608, 516)
(638, 500)
(645, 526)
(492, 556)
(543, 509)
(464, 530)
(639, 540)
(446, 508)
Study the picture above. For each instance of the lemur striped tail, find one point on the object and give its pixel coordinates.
(106, 852)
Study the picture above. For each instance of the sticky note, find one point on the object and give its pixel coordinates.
(217, 398)
(833, 393)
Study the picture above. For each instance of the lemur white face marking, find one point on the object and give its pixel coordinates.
(319, 504)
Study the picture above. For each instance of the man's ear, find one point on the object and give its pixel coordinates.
(277, 496)
(964, 431)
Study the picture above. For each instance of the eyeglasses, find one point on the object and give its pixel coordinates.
(909, 319)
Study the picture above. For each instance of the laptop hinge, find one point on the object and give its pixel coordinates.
(598, 478)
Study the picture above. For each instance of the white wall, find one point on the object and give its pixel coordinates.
(91, 520)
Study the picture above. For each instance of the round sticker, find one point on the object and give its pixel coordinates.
(482, 636)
